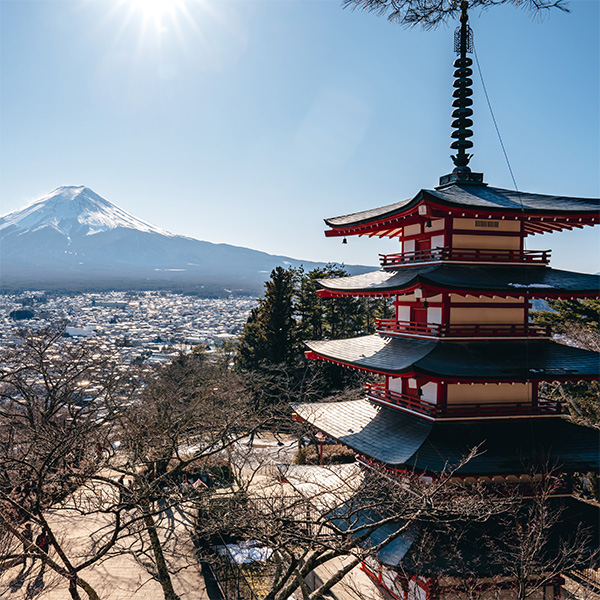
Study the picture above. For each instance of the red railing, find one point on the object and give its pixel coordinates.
(391, 326)
(379, 393)
(465, 254)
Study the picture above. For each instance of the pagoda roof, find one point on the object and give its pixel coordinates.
(539, 281)
(405, 441)
(488, 201)
(427, 547)
(488, 360)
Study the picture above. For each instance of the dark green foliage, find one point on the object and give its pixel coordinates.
(278, 309)
(269, 336)
(577, 322)
(22, 314)
(569, 313)
(271, 345)
(291, 312)
(328, 318)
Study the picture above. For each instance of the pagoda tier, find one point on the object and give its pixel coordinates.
(436, 568)
(511, 281)
(453, 380)
(464, 301)
(457, 324)
(402, 441)
(455, 206)
(523, 360)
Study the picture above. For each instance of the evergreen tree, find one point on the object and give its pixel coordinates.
(278, 308)
(577, 323)
(327, 318)
(289, 313)
(270, 333)
(566, 314)
(310, 306)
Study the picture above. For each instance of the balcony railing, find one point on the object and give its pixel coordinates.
(393, 327)
(541, 257)
(379, 393)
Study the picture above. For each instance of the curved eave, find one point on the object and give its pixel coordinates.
(470, 361)
(540, 213)
(375, 215)
(403, 441)
(534, 282)
(423, 548)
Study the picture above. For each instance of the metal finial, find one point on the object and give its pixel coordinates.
(462, 113)
(463, 43)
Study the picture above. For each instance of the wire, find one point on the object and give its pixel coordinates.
(512, 176)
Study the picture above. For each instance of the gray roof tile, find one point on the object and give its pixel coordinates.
(494, 360)
(478, 196)
(489, 278)
(506, 446)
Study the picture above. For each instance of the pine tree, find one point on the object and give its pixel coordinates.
(271, 348)
(577, 323)
(269, 336)
(565, 314)
(278, 308)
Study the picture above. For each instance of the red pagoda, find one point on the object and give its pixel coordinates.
(460, 365)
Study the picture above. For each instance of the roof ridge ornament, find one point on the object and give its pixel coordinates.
(462, 113)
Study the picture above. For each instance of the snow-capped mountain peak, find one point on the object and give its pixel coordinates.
(75, 210)
(73, 239)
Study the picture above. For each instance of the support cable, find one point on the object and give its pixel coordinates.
(512, 176)
(487, 98)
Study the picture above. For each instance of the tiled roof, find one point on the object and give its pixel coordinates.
(536, 280)
(427, 547)
(483, 196)
(493, 360)
(506, 446)
(366, 428)
(478, 196)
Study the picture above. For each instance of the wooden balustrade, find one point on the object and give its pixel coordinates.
(378, 392)
(391, 326)
(465, 254)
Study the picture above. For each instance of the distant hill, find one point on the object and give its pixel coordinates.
(75, 240)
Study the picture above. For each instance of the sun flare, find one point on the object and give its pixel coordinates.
(156, 10)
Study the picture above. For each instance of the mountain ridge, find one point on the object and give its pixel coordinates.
(74, 239)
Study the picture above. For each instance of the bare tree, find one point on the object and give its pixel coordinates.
(518, 552)
(187, 417)
(85, 436)
(309, 516)
(431, 13)
(315, 524)
(50, 420)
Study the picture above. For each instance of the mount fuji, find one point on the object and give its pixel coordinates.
(73, 239)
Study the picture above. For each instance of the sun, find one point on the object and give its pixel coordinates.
(156, 10)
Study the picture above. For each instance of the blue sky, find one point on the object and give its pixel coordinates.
(247, 122)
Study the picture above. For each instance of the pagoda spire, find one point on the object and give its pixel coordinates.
(462, 113)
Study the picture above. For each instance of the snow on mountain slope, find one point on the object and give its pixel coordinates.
(75, 210)
(74, 239)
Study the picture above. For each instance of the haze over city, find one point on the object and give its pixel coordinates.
(248, 122)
